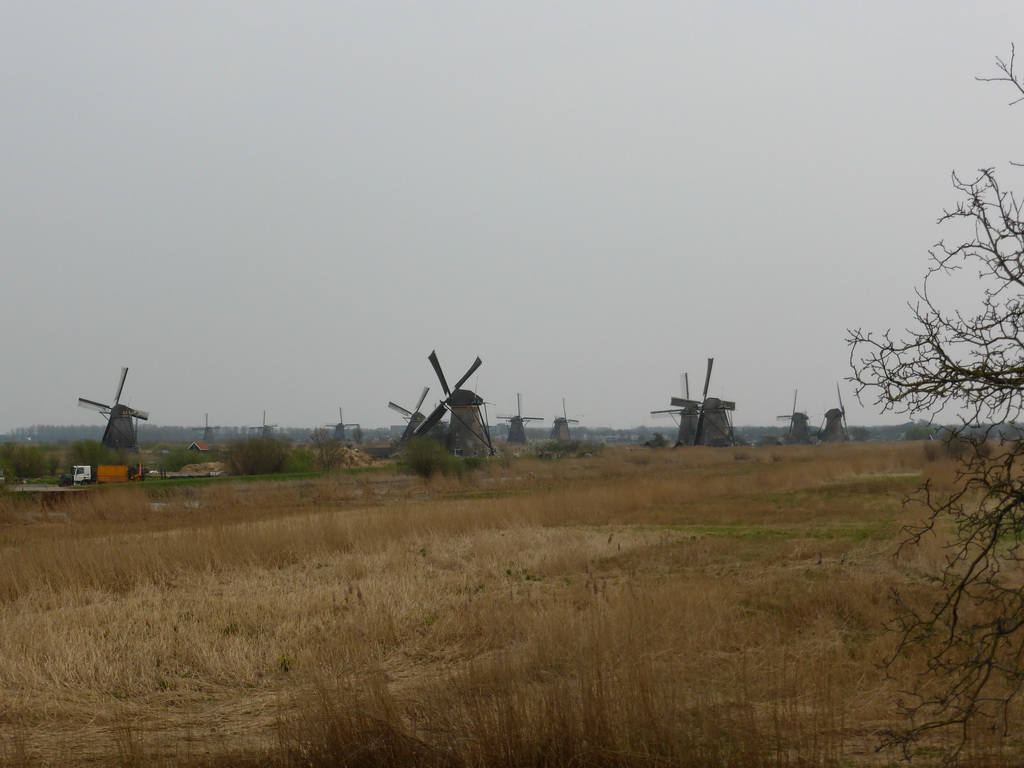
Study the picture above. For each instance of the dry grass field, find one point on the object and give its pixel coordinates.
(694, 607)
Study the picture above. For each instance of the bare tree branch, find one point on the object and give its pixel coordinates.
(971, 638)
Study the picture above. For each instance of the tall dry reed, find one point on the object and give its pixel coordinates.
(712, 608)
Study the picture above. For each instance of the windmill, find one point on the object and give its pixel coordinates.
(207, 430)
(797, 434)
(834, 430)
(685, 411)
(414, 416)
(560, 428)
(467, 433)
(339, 428)
(714, 423)
(517, 423)
(267, 430)
(121, 433)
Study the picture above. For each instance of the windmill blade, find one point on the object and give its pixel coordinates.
(686, 385)
(144, 415)
(440, 374)
(667, 411)
(794, 400)
(83, 403)
(680, 402)
(707, 379)
(564, 414)
(124, 375)
(341, 415)
(698, 432)
(476, 364)
(429, 422)
(400, 409)
(519, 404)
(423, 396)
(843, 411)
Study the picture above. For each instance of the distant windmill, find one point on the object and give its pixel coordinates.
(714, 422)
(339, 428)
(517, 423)
(207, 430)
(121, 433)
(267, 430)
(834, 430)
(414, 416)
(467, 432)
(560, 427)
(685, 411)
(797, 433)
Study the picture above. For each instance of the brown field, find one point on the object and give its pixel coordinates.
(695, 607)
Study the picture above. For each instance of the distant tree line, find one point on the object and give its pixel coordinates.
(151, 434)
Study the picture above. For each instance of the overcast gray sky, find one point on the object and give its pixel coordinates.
(286, 206)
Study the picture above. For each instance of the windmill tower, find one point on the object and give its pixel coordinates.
(467, 432)
(834, 430)
(207, 430)
(121, 433)
(560, 427)
(797, 433)
(685, 411)
(267, 430)
(339, 428)
(714, 420)
(414, 416)
(517, 423)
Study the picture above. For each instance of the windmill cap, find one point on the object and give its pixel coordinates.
(464, 397)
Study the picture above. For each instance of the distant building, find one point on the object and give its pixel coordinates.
(199, 446)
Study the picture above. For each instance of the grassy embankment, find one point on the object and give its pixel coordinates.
(689, 607)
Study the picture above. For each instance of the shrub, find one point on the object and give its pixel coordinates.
(428, 458)
(93, 452)
(174, 460)
(326, 453)
(257, 456)
(23, 460)
(300, 460)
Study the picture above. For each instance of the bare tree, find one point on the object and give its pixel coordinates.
(327, 452)
(971, 359)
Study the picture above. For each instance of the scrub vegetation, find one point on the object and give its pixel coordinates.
(697, 607)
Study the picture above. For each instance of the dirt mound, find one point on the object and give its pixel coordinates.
(202, 469)
(350, 457)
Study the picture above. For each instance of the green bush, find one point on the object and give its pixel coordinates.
(300, 460)
(174, 460)
(427, 458)
(22, 461)
(93, 452)
(920, 431)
